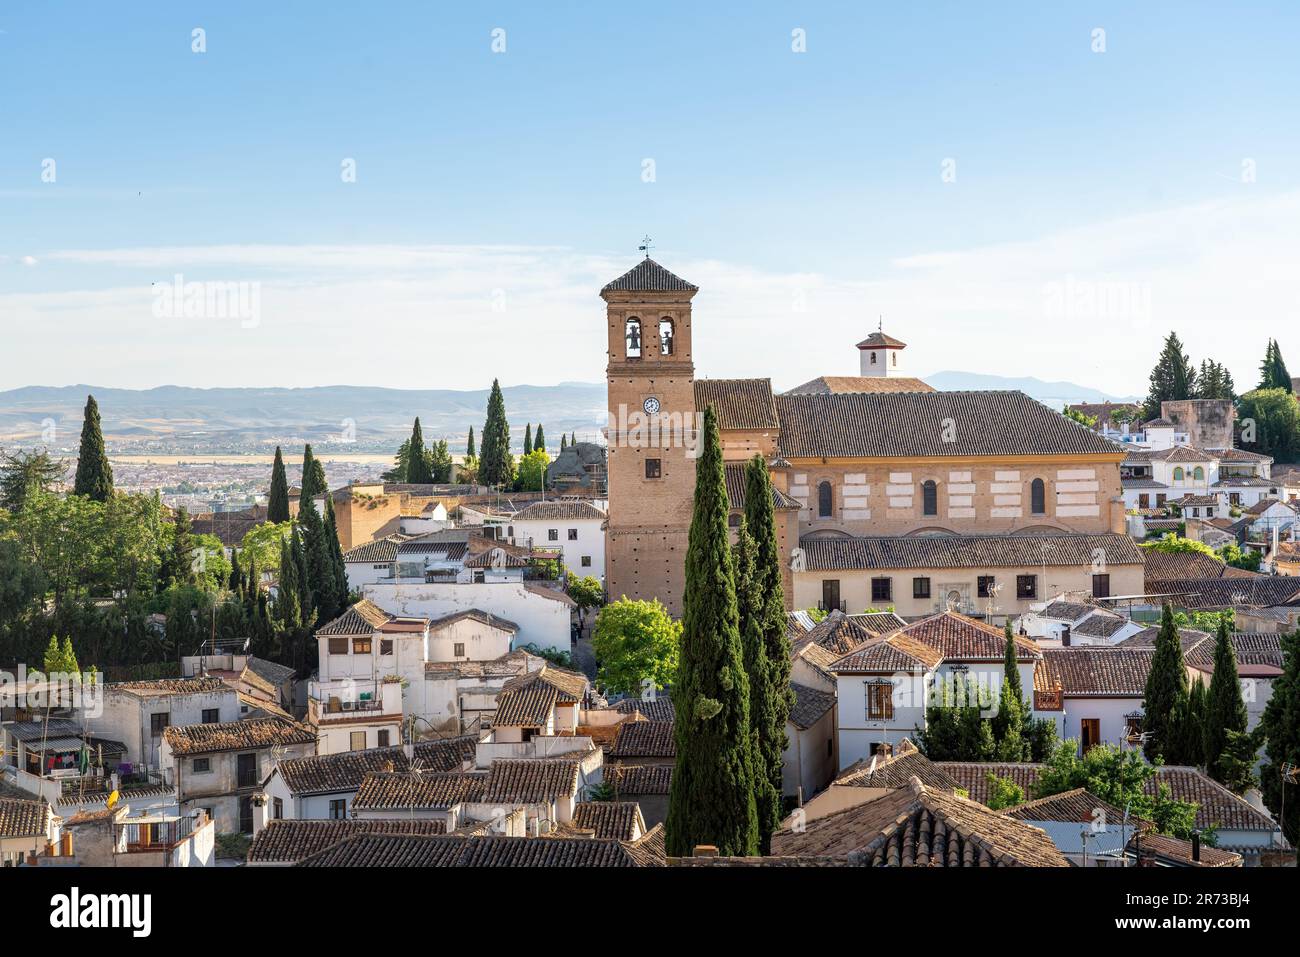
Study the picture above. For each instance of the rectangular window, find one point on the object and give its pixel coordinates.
(277, 809)
(338, 809)
(338, 646)
(458, 650)
(573, 534)
(920, 588)
(586, 561)
(361, 645)
(882, 589)
(984, 586)
(880, 701)
(201, 765)
(386, 646)
(1100, 586)
(357, 741)
(830, 594)
(383, 737)
(157, 722)
(211, 716)
(1026, 586)
(246, 770)
(653, 468)
(552, 534)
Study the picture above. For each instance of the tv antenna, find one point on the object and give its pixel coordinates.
(646, 246)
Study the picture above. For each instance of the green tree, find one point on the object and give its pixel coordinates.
(1214, 381)
(1077, 416)
(313, 476)
(495, 463)
(956, 728)
(637, 645)
(587, 593)
(539, 439)
(338, 568)
(320, 578)
(1172, 378)
(1280, 727)
(1270, 423)
(418, 468)
(771, 696)
(712, 795)
(23, 473)
(261, 544)
(182, 564)
(277, 501)
(1273, 373)
(469, 446)
(1120, 778)
(1226, 709)
(440, 463)
(1004, 792)
(532, 471)
(94, 475)
(564, 441)
(528, 438)
(1165, 700)
(1009, 721)
(1172, 544)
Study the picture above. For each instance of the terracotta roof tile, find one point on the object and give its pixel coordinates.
(236, 735)
(284, 842)
(363, 618)
(615, 820)
(397, 791)
(344, 771)
(896, 771)
(639, 779)
(649, 276)
(456, 850)
(810, 705)
(532, 780)
(645, 739)
(965, 551)
(19, 818)
(835, 384)
(741, 404)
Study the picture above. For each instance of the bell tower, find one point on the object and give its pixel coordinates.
(651, 433)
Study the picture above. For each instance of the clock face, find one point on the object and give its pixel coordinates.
(651, 406)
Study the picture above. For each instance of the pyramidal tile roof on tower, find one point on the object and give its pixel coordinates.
(649, 276)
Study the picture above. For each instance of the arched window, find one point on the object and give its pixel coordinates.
(894, 356)
(633, 334)
(665, 336)
(873, 358)
(929, 498)
(1037, 497)
(1199, 474)
(824, 500)
(1178, 473)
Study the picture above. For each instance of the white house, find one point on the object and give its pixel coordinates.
(1063, 621)
(1269, 515)
(372, 562)
(575, 528)
(1092, 692)
(137, 713)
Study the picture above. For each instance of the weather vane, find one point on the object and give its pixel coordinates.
(645, 247)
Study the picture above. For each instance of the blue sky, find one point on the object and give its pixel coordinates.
(802, 191)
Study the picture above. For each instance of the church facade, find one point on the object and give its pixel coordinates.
(877, 456)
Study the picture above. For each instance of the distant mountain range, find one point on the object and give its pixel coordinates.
(181, 419)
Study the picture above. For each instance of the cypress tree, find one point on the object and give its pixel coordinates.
(1280, 728)
(539, 439)
(750, 608)
(94, 475)
(1225, 709)
(307, 490)
(771, 698)
(288, 602)
(573, 437)
(495, 463)
(236, 583)
(277, 501)
(319, 567)
(528, 438)
(252, 583)
(181, 562)
(1273, 373)
(1009, 721)
(337, 566)
(1165, 701)
(564, 441)
(469, 446)
(417, 462)
(712, 796)
(1172, 378)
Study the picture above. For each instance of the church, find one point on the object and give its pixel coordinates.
(878, 478)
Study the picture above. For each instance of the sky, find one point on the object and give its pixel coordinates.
(430, 195)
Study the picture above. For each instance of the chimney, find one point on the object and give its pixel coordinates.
(66, 851)
(705, 850)
(1196, 846)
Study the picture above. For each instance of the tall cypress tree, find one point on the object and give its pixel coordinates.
(338, 567)
(495, 463)
(712, 796)
(236, 582)
(181, 562)
(564, 441)
(1280, 728)
(528, 438)
(1225, 710)
(288, 603)
(1273, 373)
(750, 608)
(1172, 378)
(469, 446)
(319, 576)
(1165, 701)
(418, 471)
(94, 475)
(771, 698)
(277, 501)
(313, 476)
(1009, 721)
(539, 439)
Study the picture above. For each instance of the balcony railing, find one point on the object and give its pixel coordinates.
(155, 836)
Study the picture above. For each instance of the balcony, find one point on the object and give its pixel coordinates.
(346, 699)
(157, 836)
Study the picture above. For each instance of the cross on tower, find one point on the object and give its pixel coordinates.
(645, 247)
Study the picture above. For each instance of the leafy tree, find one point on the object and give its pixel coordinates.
(771, 696)
(1214, 381)
(1041, 738)
(1120, 778)
(469, 446)
(1173, 544)
(1077, 416)
(587, 593)
(528, 438)
(712, 795)
(539, 439)
(1003, 792)
(181, 566)
(1009, 721)
(26, 472)
(532, 471)
(277, 501)
(94, 475)
(556, 656)
(261, 545)
(637, 646)
(1231, 554)
(1270, 423)
(418, 469)
(1280, 727)
(440, 463)
(955, 726)
(495, 463)
(1172, 378)
(1165, 699)
(1225, 708)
